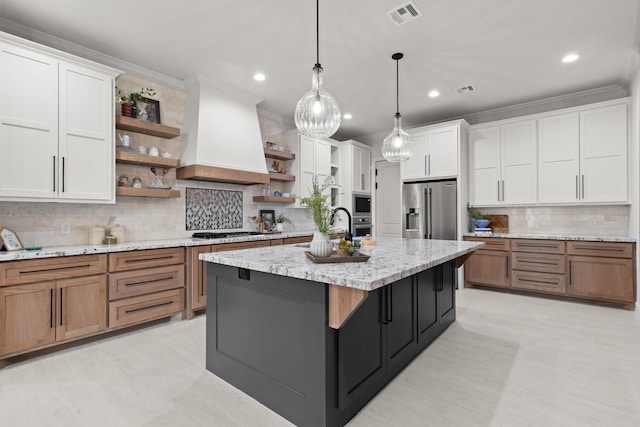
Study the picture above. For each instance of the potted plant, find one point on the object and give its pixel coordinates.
(319, 210)
(477, 218)
(281, 219)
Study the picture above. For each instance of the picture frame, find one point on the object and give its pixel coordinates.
(269, 218)
(9, 240)
(148, 110)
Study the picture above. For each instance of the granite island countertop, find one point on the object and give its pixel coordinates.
(393, 258)
(58, 251)
(543, 236)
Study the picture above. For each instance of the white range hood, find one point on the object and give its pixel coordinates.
(222, 140)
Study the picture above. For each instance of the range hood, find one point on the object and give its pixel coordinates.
(222, 140)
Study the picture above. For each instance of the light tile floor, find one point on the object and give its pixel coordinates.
(508, 361)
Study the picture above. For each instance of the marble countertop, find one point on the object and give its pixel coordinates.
(542, 236)
(391, 260)
(57, 251)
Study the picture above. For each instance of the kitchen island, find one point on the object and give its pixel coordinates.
(316, 342)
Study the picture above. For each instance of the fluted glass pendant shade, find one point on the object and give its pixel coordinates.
(396, 147)
(317, 113)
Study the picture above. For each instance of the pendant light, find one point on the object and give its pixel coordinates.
(317, 113)
(397, 145)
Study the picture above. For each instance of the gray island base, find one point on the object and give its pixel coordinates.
(316, 342)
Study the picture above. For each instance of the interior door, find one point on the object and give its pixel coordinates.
(388, 199)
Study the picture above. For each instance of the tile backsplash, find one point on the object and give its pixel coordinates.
(207, 209)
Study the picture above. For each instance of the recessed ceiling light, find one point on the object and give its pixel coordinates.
(434, 94)
(259, 77)
(571, 57)
(347, 116)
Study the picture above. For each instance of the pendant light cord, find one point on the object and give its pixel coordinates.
(397, 89)
(317, 33)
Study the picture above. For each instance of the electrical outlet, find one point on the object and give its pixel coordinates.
(65, 228)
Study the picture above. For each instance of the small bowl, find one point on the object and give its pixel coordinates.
(480, 223)
(286, 194)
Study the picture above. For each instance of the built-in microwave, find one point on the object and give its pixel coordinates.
(361, 204)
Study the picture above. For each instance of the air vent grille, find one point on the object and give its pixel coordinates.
(404, 13)
(465, 89)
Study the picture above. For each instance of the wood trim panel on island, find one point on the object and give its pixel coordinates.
(342, 303)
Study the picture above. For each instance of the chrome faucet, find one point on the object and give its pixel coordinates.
(349, 235)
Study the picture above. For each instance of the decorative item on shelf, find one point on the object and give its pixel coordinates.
(158, 179)
(268, 217)
(277, 193)
(125, 141)
(153, 151)
(317, 114)
(137, 182)
(97, 234)
(477, 218)
(142, 149)
(319, 210)
(9, 240)
(396, 147)
(138, 106)
(281, 220)
(123, 181)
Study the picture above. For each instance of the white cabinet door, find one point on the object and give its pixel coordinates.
(416, 166)
(442, 152)
(518, 163)
(28, 123)
(361, 176)
(559, 158)
(603, 154)
(323, 162)
(484, 165)
(86, 134)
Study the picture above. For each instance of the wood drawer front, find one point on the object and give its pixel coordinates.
(276, 242)
(538, 246)
(491, 243)
(132, 260)
(39, 270)
(541, 263)
(146, 307)
(541, 282)
(239, 245)
(603, 249)
(138, 282)
(293, 240)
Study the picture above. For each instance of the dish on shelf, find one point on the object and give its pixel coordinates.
(159, 187)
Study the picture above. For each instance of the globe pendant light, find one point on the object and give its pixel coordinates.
(317, 113)
(396, 147)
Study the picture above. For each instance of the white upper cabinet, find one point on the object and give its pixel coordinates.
(502, 164)
(361, 176)
(56, 126)
(313, 157)
(583, 156)
(435, 153)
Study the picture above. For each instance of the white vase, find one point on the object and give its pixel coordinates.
(279, 226)
(320, 245)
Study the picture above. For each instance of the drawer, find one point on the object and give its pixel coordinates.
(239, 245)
(603, 249)
(139, 282)
(541, 263)
(491, 243)
(538, 246)
(300, 239)
(145, 307)
(132, 260)
(38, 270)
(276, 242)
(540, 282)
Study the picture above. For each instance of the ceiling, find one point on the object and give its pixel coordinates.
(509, 50)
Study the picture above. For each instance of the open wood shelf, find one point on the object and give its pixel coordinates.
(274, 176)
(133, 158)
(147, 192)
(279, 155)
(274, 199)
(147, 128)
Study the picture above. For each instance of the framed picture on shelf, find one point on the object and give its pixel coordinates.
(269, 219)
(9, 240)
(148, 110)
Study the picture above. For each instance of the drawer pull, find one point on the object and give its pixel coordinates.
(599, 248)
(155, 258)
(47, 270)
(162, 304)
(537, 245)
(537, 281)
(51, 308)
(537, 262)
(142, 282)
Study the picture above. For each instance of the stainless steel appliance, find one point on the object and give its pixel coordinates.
(429, 210)
(361, 204)
(361, 225)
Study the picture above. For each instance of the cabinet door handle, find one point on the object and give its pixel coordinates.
(507, 266)
(51, 310)
(498, 190)
(383, 306)
(577, 191)
(425, 165)
(63, 174)
(503, 190)
(583, 186)
(54, 174)
(389, 305)
(61, 306)
(429, 164)
(362, 181)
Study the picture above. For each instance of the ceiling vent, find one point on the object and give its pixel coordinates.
(404, 13)
(465, 89)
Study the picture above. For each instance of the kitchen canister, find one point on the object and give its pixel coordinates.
(118, 232)
(96, 235)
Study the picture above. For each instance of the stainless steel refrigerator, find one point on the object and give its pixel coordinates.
(429, 210)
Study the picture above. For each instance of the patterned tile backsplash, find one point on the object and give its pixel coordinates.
(208, 209)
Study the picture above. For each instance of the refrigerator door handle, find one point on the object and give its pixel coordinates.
(430, 214)
(425, 194)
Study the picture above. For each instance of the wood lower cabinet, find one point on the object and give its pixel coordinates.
(594, 271)
(488, 266)
(145, 285)
(50, 300)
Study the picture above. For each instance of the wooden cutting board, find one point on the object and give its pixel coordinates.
(499, 223)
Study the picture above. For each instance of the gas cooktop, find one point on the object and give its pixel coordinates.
(223, 234)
